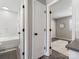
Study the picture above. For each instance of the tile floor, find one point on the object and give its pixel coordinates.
(55, 55)
(59, 50)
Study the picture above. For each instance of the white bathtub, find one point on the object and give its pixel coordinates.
(9, 42)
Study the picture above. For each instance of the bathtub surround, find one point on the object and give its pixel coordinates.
(9, 42)
(8, 23)
(9, 39)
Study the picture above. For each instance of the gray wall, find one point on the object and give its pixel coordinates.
(63, 28)
(42, 1)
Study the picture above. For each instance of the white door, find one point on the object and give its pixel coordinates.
(39, 30)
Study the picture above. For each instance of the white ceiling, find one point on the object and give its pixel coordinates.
(62, 7)
(12, 5)
(45, 1)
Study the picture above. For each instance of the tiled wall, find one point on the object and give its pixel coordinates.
(8, 23)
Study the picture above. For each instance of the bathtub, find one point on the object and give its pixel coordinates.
(9, 42)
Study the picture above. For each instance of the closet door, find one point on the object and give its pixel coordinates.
(39, 30)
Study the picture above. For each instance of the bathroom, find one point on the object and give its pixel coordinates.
(10, 28)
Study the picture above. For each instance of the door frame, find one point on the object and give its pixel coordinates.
(25, 2)
(48, 41)
(48, 53)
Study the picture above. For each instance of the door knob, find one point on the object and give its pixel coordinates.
(35, 33)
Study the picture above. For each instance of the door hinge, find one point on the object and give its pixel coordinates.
(50, 12)
(50, 30)
(23, 53)
(23, 6)
(50, 47)
(35, 34)
(23, 30)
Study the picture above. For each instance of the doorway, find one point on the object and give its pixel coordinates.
(10, 18)
(61, 26)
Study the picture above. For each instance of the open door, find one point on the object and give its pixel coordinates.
(39, 30)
